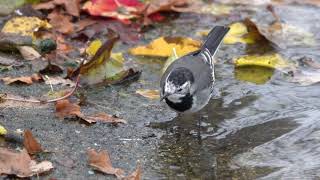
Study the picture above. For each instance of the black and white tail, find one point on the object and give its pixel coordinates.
(214, 39)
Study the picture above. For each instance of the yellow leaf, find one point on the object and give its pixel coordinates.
(148, 93)
(163, 46)
(93, 47)
(25, 26)
(238, 34)
(254, 74)
(270, 61)
(3, 131)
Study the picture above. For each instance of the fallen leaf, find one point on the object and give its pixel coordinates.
(23, 79)
(103, 117)
(104, 67)
(3, 131)
(151, 94)
(72, 6)
(101, 161)
(274, 61)
(65, 108)
(83, 23)
(20, 164)
(163, 47)
(254, 74)
(136, 175)
(155, 6)
(240, 32)
(51, 69)
(30, 143)
(61, 23)
(57, 80)
(25, 26)
(29, 53)
(119, 9)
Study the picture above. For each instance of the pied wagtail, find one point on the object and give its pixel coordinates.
(187, 84)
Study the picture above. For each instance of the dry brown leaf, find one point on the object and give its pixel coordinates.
(30, 143)
(100, 161)
(20, 164)
(136, 175)
(65, 108)
(72, 6)
(82, 24)
(23, 79)
(62, 23)
(103, 117)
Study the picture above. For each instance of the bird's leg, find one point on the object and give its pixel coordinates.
(199, 128)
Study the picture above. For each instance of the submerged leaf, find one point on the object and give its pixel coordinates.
(274, 61)
(163, 47)
(254, 74)
(151, 94)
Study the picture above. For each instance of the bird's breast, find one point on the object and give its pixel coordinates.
(184, 103)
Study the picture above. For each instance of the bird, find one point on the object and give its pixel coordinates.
(187, 84)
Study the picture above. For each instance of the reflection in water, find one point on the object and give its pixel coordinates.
(184, 155)
(254, 74)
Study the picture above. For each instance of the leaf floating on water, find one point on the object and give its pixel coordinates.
(254, 74)
(148, 93)
(240, 32)
(20, 164)
(30, 143)
(101, 161)
(3, 131)
(163, 46)
(274, 61)
(25, 26)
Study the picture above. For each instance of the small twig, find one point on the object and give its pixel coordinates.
(51, 100)
(47, 77)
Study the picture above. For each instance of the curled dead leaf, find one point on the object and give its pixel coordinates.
(20, 164)
(23, 79)
(101, 161)
(30, 143)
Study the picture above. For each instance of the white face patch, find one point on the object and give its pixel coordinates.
(176, 92)
(169, 87)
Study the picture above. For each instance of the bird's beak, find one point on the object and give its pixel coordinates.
(164, 96)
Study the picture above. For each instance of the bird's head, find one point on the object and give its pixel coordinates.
(177, 84)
